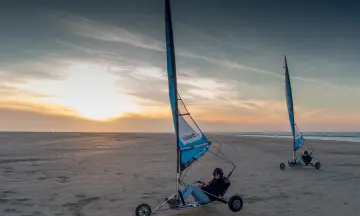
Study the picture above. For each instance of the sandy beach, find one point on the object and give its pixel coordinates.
(75, 174)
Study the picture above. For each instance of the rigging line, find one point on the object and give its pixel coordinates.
(189, 115)
(229, 160)
(298, 130)
(188, 168)
(220, 157)
(184, 175)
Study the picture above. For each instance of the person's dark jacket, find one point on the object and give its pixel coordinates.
(216, 187)
(306, 158)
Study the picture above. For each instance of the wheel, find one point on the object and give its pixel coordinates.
(282, 166)
(317, 165)
(235, 203)
(143, 210)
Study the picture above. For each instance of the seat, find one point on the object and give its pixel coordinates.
(307, 160)
(225, 189)
(221, 195)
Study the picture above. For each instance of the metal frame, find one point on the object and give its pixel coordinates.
(221, 199)
(193, 205)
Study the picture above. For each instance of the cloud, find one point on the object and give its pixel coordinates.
(27, 105)
(13, 76)
(230, 65)
(43, 68)
(209, 88)
(148, 73)
(77, 47)
(85, 27)
(8, 91)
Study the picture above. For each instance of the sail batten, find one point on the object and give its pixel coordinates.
(191, 142)
(298, 139)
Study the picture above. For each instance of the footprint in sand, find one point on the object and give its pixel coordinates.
(38, 213)
(80, 195)
(8, 170)
(63, 179)
(11, 210)
(5, 193)
(4, 200)
(76, 207)
(116, 199)
(42, 178)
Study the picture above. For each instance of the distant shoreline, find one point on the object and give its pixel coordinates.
(331, 136)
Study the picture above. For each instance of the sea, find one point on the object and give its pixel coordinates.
(336, 136)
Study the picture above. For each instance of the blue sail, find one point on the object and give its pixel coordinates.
(297, 136)
(192, 143)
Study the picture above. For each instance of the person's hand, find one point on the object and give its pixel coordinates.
(197, 184)
(200, 184)
(204, 184)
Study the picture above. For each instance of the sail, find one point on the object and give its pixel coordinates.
(297, 136)
(191, 142)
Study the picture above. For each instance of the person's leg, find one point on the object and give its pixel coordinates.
(197, 193)
(297, 160)
(201, 197)
(186, 192)
(300, 161)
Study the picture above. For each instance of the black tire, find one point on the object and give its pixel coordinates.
(143, 210)
(282, 166)
(235, 203)
(317, 165)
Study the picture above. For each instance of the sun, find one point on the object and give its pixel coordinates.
(91, 91)
(88, 90)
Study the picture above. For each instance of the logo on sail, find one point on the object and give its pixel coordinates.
(188, 137)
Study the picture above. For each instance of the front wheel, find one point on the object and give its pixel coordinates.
(143, 210)
(235, 203)
(282, 166)
(317, 165)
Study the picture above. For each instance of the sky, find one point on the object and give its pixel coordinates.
(101, 65)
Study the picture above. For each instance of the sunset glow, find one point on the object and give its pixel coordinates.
(89, 90)
(64, 67)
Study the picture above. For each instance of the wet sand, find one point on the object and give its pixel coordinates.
(74, 174)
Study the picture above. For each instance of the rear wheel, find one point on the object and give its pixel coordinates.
(317, 165)
(282, 166)
(143, 210)
(235, 203)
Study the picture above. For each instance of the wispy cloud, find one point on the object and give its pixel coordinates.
(77, 47)
(101, 31)
(148, 73)
(44, 68)
(209, 88)
(8, 91)
(85, 27)
(37, 107)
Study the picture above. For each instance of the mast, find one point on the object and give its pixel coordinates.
(291, 107)
(170, 49)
